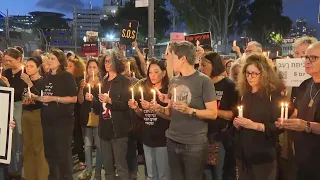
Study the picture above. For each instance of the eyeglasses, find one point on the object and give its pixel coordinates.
(312, 59)
(252, 74)
(107, 62)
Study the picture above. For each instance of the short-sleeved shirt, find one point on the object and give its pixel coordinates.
(194, 90)
(62, 85)
(15, 82)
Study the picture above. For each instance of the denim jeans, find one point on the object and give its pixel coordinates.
(157, 162)
(132, 156)
(187, 160)
(215, 172)
(16, 152)
(89, 134)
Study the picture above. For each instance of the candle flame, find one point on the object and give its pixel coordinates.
(140, 88)
(286, 104)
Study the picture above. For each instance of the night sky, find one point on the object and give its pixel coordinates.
(293, 8)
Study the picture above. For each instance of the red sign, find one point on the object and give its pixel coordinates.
(176, 37)
(203, 38)
(90, 49)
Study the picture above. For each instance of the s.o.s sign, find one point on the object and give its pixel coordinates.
(129, 32)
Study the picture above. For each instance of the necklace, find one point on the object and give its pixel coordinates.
(312, 99)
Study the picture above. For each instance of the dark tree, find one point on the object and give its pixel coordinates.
(50, 20)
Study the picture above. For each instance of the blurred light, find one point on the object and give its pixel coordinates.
(84, 38)
(133, 48)
(185, 33)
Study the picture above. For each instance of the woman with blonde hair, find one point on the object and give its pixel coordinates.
(76, 67)
(234, 72)
(256, 137)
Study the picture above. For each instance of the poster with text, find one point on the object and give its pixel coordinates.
(129, 32)
(176, 37)
(203, 38)
(90, 49)
(6, 115)
(293, 71)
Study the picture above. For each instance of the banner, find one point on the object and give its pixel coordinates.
(142, 3)
(203, 38)
(293, 71)
(129, 32)
(90, 49)
(91, 36)
(176, 37)
(6, 115)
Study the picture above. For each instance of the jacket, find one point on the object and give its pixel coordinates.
(119, 124)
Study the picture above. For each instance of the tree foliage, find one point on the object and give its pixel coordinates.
(130, 12)
(50, 20)
(265, 18)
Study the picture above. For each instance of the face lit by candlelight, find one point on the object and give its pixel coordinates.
(108, 63)
(156, 74)
(253, 76)
(93, 68)
(31, 68)
(70, 67)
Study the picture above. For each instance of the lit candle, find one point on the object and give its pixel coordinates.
(175, 95)
(99, 88)
(198, 43)
(148, 63)
(282, 112)
(93, 75)
(265, 54)
(268, 53)
(29, 92)
(129, 66)
(1, 71)
(22, 69)
(277, 53)
(234, 43)
(240, 111)
(84, 76)
(132, 94)
(133, 74)
(41, 93)
(141, 91)
(89, 89)
(286, 111)
(154, 95)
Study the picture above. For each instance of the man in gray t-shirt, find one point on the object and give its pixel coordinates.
(191, 101)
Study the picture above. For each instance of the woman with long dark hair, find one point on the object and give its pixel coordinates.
(59, 97)
(220, 143)
(90, 133)
(34, 162)
(256, 137)
(114, 125)
(155, 124)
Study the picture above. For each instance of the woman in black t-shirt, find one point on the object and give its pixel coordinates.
(76, 67)
(227, 97)
(34, 163)
(256, 137)
(155, 124)
(59, 96)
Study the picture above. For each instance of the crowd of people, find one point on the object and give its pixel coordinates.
(193, 115)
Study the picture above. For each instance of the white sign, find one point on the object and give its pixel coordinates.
(6, 115)
(293, 71)
(142, 3)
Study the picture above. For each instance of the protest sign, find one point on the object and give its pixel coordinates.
(203, 38)
(129, 32)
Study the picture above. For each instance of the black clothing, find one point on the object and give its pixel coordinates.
(15, 82)
(61, 85)
(118, 125)
(255, 147)
(87, 106)
(307, 145)
(31, 104)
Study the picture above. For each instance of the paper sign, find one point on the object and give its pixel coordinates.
(203, 38)
(129, 32)
(142, 3)
(176, 37)
(293, 71)
(90, 49)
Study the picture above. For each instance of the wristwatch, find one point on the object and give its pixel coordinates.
(308, 127)
(194, 113)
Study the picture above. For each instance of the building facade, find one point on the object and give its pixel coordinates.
(87, 20)
(110, 7)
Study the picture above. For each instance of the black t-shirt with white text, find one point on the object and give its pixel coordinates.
(62, 85)
(28, 103)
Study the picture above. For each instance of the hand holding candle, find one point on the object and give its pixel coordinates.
(234, 43)
(286, 111)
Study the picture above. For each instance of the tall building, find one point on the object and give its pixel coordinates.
(301, 29)
(110, 7)
(87, 20)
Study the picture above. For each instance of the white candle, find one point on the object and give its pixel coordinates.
(1, 71)
(148, 63)
(132, 94)
(282, 112)
(93, 75)
(84, 76)
(29, 92)
(265, 54)
(234, 43)
(22, 69)
(141, 91)
(277, 53)
(99, 88)
(41, 93)
(129, 66)
(154, 95)
(133, 74)
(175, 95)
(286, 111)
(268, 53)
(89, 89)
(240, 111)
